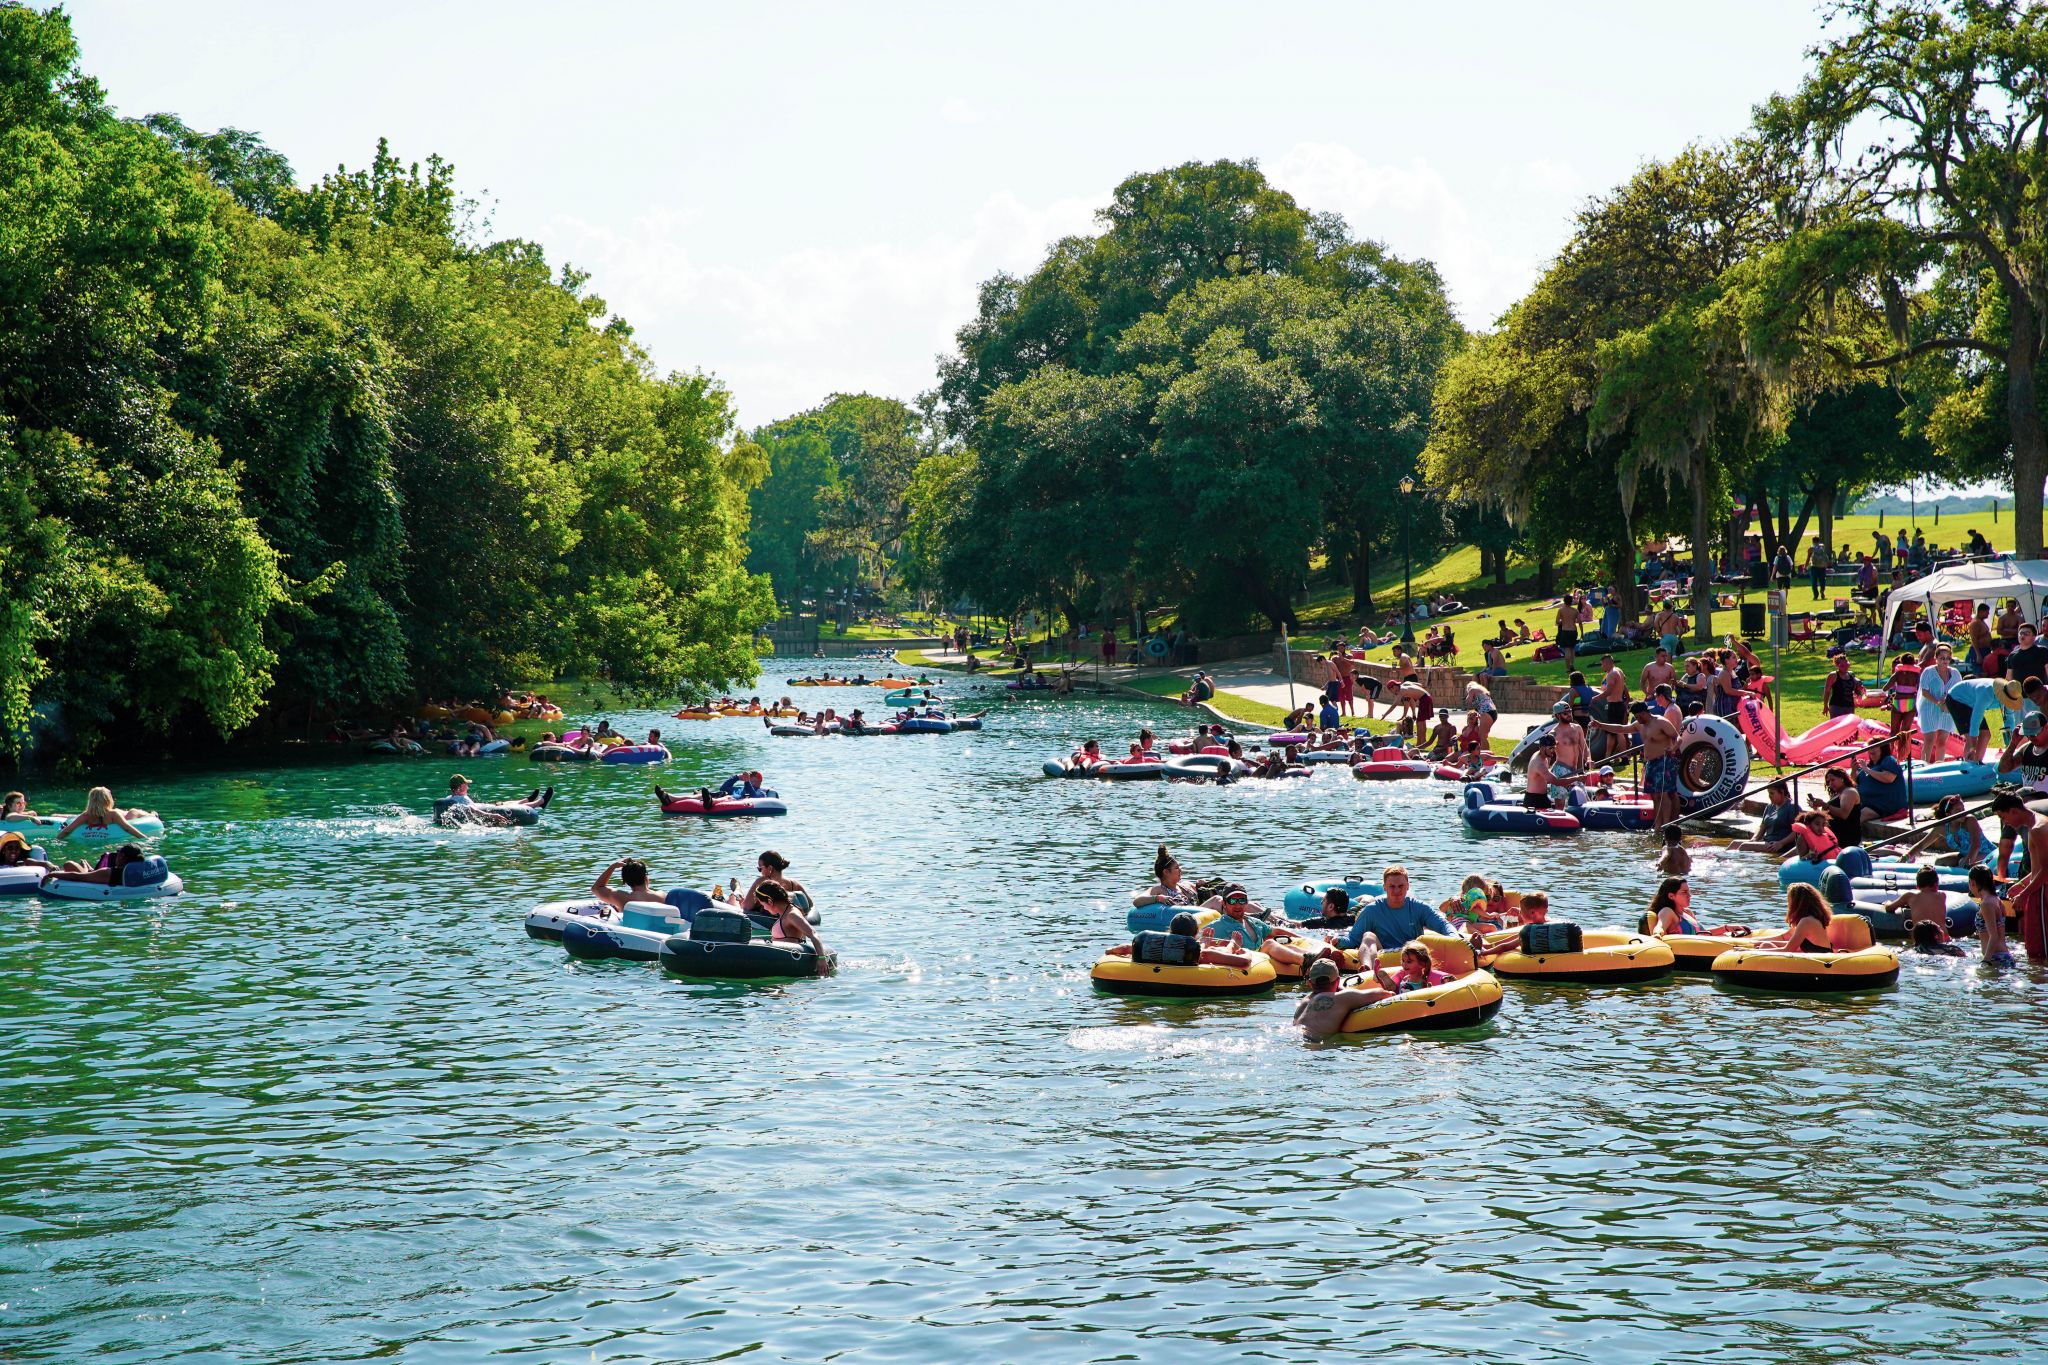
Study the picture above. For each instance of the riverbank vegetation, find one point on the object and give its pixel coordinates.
(1215, 405)
(272, 454)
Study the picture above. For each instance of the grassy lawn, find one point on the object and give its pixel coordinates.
(1457, 573)
(862, 630)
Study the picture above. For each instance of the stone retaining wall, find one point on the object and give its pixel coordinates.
(1446, 683)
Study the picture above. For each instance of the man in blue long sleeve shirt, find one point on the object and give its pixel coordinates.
(1393, 919)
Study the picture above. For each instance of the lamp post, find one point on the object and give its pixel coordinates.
(1407, 566)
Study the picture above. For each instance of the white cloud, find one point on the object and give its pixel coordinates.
(805, 323)
(958, 110)
(795, 326)
(1489, 251)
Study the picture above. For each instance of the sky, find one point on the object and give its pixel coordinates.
(802, 199)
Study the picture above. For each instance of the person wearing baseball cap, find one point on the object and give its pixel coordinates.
(1323, 1010)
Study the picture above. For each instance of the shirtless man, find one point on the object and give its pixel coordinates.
(1574, 752)
(1568, 630)
(1660, 757)
(1322, 1013)
(1658, 672)
(1611, 702)
(1541, 765)
(1670, 628)
(633, 873)
(1416, 704)
(1442, 738)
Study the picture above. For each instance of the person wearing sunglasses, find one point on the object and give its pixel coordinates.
(1241, 928)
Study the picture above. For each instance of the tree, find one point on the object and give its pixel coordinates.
(273, 452)
(1205, 281)
(1611, 371)
(1955, 179)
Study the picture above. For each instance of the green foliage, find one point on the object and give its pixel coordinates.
(315, 451)
(833, 507)
(1226, 378)
(1946, 177)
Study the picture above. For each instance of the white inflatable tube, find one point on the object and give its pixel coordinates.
(97, 891)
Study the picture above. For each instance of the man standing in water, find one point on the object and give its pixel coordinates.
(1660, 758)
(1574, 754)
(2019, 823)
(1612, 703)
(1541, 764)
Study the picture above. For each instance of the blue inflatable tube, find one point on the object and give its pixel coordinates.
(1306, 901)
(1484, 814)
(1933, 782)
(1614, 815)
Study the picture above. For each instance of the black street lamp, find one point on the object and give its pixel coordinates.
(1407, 568)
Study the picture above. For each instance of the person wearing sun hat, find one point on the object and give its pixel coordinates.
(1970, 702)
(15, 852)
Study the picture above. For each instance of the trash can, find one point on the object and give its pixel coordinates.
(1759, 577)
(1752, 620)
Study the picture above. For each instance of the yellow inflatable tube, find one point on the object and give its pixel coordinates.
(1466, 1002)
(1121, 976)
(1609, 957)
(1859, 964)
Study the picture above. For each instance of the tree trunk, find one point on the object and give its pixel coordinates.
(2023, 412)
(1824, 496)
(1761, 500)
(1274, 604)
(1361, 574)
(1500, 568)
(1621, 572)
(1702, 559)
(1797, 533)
(1546, 576)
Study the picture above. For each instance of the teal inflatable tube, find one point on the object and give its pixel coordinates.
(146, 826)
(1306, 901)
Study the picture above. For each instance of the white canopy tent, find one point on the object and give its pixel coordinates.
(1988, 581)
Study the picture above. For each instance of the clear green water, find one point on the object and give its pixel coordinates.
(333, 1104)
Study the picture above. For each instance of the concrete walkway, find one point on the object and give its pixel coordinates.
(1255, 681)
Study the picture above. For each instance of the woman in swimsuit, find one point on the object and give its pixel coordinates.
(109, 875)
(100, 812)
(790, 925)
(774, 871)
(1806, 921)
(1671, 909)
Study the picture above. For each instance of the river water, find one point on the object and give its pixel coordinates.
(332, 1104)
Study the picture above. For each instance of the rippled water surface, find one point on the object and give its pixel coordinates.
(332, 1104)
